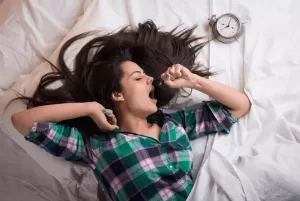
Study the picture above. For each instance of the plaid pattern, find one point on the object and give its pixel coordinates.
(130, 166)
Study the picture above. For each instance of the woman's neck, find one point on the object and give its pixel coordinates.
(131, 123)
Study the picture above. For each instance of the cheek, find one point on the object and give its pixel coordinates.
(133, 93)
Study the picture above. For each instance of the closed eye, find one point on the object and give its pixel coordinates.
(138, 78)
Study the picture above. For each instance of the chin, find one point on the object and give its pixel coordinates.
(152, 109)
(155, 110)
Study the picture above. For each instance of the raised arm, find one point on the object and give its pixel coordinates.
(23, 121)
(39, 126)
(178, 76)
(237, 102)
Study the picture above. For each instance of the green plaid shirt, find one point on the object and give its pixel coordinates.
(130, 166)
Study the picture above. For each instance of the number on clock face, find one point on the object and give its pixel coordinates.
(227, 26)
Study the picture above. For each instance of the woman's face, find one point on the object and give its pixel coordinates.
(137, 94)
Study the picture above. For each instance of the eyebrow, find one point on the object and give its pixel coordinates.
(137, 71)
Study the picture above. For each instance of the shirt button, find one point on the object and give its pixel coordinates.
(182, 181)
(171, 166)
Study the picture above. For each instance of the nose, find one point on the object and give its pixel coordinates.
(150, 80)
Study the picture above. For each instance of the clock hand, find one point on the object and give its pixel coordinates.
(229, 22)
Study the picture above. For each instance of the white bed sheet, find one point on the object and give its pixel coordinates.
(30, 30)
(258, 160)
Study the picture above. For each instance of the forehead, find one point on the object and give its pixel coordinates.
(129, 67)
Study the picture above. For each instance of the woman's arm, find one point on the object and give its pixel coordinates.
(178, 76)
(24, 120)
(237, 101)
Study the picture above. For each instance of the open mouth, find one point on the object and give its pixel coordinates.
(151, 94)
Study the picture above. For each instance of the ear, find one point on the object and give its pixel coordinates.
(117, 96)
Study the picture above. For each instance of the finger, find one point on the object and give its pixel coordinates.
(110, 116)
(178, 69)
(167, 80)
(112, 120)
(108, 113)
(185, 71)
(165, 75)
(109, 127)
(172, 71)
(172, 78)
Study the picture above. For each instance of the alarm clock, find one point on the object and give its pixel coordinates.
(227, 28)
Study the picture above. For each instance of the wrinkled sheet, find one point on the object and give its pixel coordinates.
(258, 160)
(22, 178)
(30, 30)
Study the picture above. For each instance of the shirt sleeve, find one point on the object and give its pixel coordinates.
(59, 140)
(210, 118)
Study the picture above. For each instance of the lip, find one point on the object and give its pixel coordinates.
(154, 102)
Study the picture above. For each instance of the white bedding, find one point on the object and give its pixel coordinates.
(30, 31)
(259, 159)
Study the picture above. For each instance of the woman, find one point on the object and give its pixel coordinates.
(106, 112)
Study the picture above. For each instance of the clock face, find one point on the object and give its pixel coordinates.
(227, 26)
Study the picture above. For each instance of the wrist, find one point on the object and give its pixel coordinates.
(92, 108)
(196, 82)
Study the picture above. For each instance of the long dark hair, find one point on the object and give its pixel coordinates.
(97, 71)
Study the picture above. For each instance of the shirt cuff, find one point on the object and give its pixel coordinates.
(224, 117)
(37, 129)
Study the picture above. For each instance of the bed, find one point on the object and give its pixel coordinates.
(259, 160)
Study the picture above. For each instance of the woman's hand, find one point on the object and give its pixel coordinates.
(179, 76)
(104, 118)
(24, 120)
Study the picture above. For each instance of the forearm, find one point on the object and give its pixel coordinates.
(237, 101)
(24, 120)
